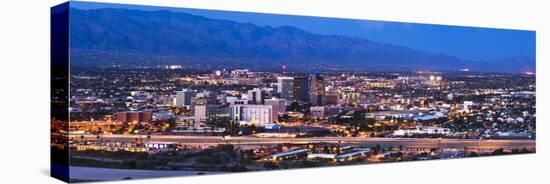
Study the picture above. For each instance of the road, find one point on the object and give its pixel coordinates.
(250, 140)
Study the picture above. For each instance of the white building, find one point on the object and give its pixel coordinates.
(235, 100)
(239, 72)
(467, 105)
(422, 130)
(257, 115)
(160, 145)
(321, 156)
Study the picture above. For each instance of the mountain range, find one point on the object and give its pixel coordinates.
(129, 37)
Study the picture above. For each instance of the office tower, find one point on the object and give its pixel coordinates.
(258, 95)
(301, 89)
(277, 103)
(285, 87)
(317, 90)
(183, 97)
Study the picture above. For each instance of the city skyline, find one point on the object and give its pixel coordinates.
(143, 94)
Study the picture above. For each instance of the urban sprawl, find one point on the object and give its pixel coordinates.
(172, 118)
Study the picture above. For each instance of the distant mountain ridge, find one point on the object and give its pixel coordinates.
(184, 37)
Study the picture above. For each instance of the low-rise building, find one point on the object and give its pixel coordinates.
(134, 117)
(161, 145)
(257, 115)
(323, 111)
(422, 130)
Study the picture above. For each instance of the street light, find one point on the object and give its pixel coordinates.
(479, 143)
(439, 144)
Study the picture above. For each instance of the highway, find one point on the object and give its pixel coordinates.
(251, 140)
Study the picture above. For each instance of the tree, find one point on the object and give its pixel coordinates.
(172, 123)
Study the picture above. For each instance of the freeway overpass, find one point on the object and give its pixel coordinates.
(385, 142)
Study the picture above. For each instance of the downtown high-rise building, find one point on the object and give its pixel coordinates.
(277, 103)
(258, 95)
(285, 87)
(301, 89)
(183, 98)
(316, 90)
